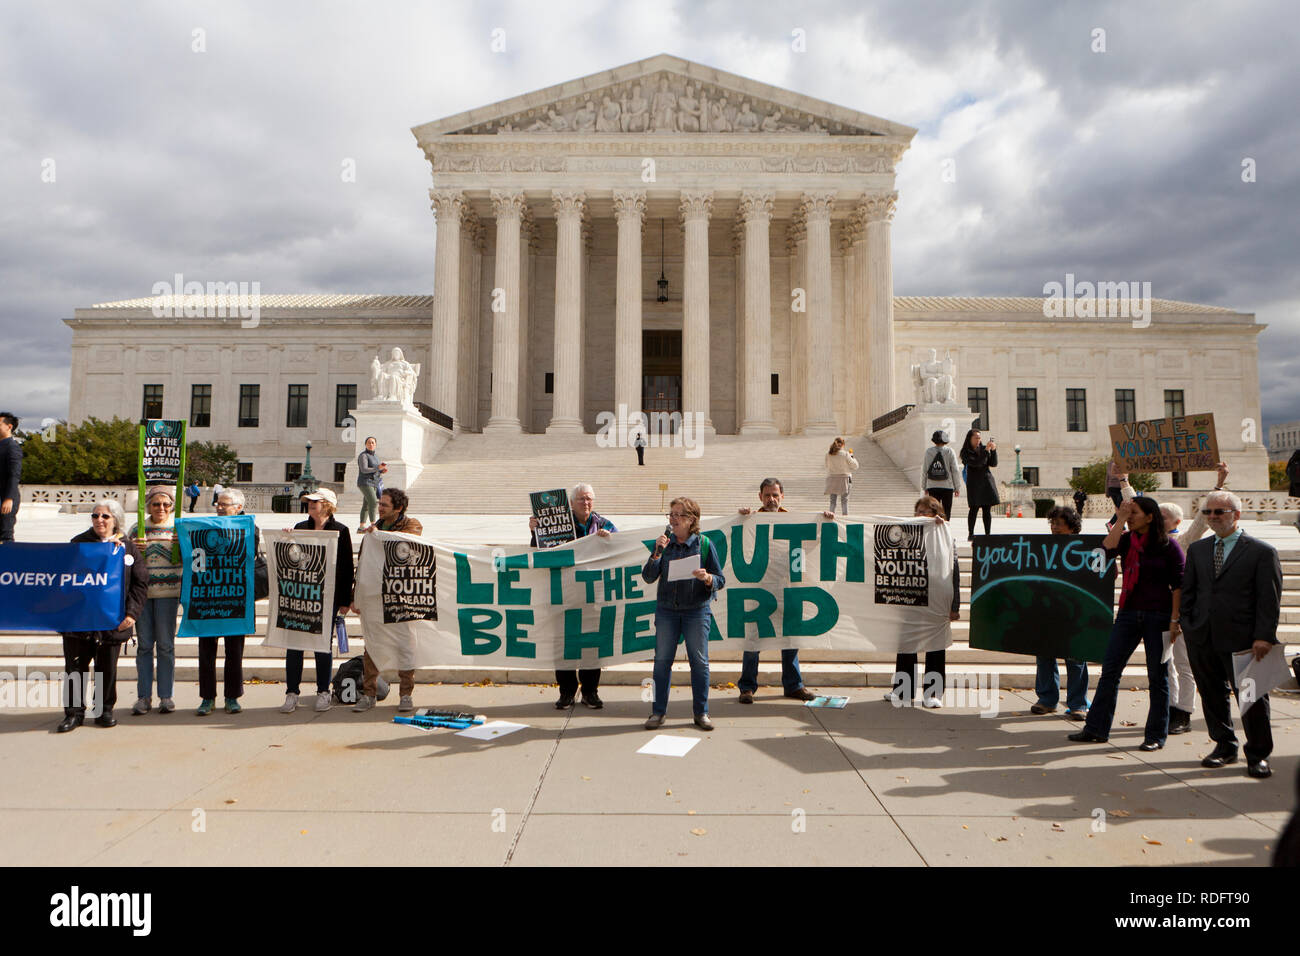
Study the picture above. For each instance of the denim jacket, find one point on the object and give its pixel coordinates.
(688, 594)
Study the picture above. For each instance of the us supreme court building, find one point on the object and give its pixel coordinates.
(665, 236)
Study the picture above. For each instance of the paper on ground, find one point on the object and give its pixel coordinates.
(666, 745)
(679, 569)
(1257, 678)
(836, 702)
(491, 730)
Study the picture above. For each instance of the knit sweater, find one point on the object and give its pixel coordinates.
(164, 574)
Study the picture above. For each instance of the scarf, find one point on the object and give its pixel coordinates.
(1132, 561)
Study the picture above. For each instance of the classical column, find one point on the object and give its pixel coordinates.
(861, 333)
(448, 207)
(471, 264)
(506, 291)
(629, 209)
(819, 406)
(696, 206)
(878, 210)
(738, 251)
(528, 245)
(566, 416)
(756, 211)
(796, 249)
(847, 356)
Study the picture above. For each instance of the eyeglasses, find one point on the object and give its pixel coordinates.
(674, 514)
(105, 517)
(160, 504)
(1216, 511)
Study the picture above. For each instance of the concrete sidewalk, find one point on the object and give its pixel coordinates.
(775, 783)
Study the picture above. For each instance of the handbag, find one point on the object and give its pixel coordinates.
(261, 583)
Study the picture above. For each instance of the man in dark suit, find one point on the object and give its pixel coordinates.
(11, 469)
(1232, 597)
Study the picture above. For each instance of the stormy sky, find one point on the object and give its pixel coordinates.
(139, 140)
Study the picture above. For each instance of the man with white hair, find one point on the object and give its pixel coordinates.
(1231, 602)
(582, 501)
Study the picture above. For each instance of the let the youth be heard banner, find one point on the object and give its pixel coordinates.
(792, 581)
(300, 568)
(161, 460)
(1042, 594)
(396, 594)
(554, 517)
(217, 557)
(61, 587)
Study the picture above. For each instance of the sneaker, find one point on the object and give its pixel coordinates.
(142, 706)
(1042, 709)
(1079, 713)
(322, 701)
(933, 703)
(363, 704)
(897, 699)
(654, 722)
(166, 705)
(746, 696)
(290, 704)
(232, 705)
(702, 721)
(593, 701)
(205, 707)
(405, 705)
(565, 702)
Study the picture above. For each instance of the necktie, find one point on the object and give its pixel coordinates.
(1218, 556)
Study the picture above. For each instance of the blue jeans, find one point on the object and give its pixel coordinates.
(791, 679)
(672, 627)
(1048, 683)
(156, 628)
(1130, 629)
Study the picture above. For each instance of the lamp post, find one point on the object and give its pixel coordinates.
(1019, 488)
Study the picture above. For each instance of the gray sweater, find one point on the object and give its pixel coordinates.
(949, 461)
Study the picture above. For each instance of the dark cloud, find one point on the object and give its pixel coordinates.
(225, 165)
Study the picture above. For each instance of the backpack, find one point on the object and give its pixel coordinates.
(938, 470)
(346, 686)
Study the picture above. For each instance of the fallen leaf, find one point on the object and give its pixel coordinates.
(964, 827)
(302, 833)
(699, 831)
(1127, 723)
(668, 793)
(1118, 813)
(231, 800)
(1189, 839)
(1057, 828)
(1115, 756)
(807, 791)
(1155, 842)
(690, 813)
(1000, 840)
(588, 778)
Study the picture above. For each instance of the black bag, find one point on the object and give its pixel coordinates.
(261, 583)
(938, 470)
(345, 688)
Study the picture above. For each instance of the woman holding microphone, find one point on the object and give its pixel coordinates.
(682, 609)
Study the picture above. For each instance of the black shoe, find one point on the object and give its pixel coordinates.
(1150, 745)
(1218, 758)
(71, 722)
(803, 693)
(1180, 721)
(746, 697)
(106, 720)
(593, 701)
(1259, 768)
(1087, 737)
(565, 702)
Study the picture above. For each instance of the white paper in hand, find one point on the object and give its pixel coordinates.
(679, 569)
(1257, 678)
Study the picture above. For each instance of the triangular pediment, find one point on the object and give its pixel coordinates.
(663, 95)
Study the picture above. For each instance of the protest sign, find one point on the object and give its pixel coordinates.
(301, 567)
(217, 575)
(1182, 443)
(161, 460)
(792, 581)
(396, 593)
(554, 517)
(1042, 594)
(61, 587)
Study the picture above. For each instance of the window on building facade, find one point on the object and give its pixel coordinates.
(1076, 409)
(292, 470)
(244, 472)
(250, 398)
(978, 400)
(340, 470)
(1125, 405)
(776, 384)
(1031, 475)
(1179, 479)
(1027, 409)
(345, 399)
(200, 406)
(296, 413)
(1174, 403)
(153, 395)
(550, 383)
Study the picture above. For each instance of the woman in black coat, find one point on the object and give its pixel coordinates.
(320, 506)
(80, 648)
(981, 488)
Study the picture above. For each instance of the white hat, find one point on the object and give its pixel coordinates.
(323, 494)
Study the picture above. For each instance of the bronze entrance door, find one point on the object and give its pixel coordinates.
(661, 379)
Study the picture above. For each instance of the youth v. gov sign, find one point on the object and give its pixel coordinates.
(884, 585)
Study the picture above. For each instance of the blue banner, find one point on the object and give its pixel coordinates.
(217, 582)
(61, 587)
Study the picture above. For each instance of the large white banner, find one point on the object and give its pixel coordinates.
(300, 566)
(791, 581)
